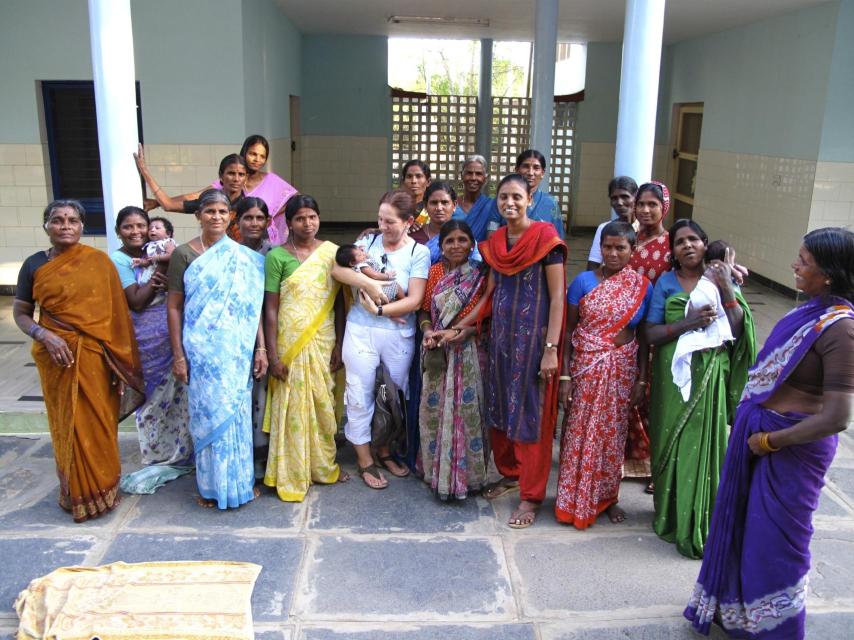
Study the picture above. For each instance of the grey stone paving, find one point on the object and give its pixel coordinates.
(351, 563)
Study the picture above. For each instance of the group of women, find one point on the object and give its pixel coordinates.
(240, 362)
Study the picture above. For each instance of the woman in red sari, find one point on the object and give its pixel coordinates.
(650, 258)
(607, 375)
(526, 292)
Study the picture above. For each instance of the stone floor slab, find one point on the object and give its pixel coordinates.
(829, 625)
(421, 632)
(12, 446)
(843, 478)
(174, 506)
(830, 507)
(406, 506)
(832, 572)
(575, 583)
(279, 557)
(434, 579)
(25, 559)
(642, 630)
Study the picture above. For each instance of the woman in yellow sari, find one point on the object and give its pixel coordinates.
(304, 327)
(85, 351)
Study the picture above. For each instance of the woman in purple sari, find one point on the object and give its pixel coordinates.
(753, 581)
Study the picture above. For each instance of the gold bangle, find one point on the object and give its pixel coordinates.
(765, 442)
(565, 379)
(181, 359)
(260, 349)
(423, 322)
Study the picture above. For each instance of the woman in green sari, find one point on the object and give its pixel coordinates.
(691, 305)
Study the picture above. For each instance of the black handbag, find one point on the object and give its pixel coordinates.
(388, 426)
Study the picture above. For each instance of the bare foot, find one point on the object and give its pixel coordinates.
(343, 476)
(500, 488)
(256, 491)
(524, 515)
(203, 502)
(615, 514)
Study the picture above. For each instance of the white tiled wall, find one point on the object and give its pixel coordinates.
(346, 174)
(760, 204)
(23, 195)
(833, 195)
(595, 167)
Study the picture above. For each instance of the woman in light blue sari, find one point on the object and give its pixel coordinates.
(216, 290)
(475, 208)
(531, 164)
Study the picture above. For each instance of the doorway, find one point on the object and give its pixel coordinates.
(689, 124)
(295, 177)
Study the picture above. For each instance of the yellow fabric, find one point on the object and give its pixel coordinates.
(145, 601)
(300, 413)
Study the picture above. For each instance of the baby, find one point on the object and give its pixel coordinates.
(724, 251)
(157, 252)
(356, 258)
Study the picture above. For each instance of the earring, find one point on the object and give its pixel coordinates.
(827, 282)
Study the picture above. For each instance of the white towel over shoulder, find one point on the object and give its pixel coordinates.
(706, 292)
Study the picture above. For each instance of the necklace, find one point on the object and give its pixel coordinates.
(202, 242)
(296, 251)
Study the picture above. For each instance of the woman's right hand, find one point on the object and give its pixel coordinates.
(375, 292)
(278, 370)
(180, 370)
(159, 281)
(700, 317)
(57, 348)
(149, 203)
(564, 394)
(139, 158)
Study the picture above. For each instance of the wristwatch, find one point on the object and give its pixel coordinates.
(379, 309)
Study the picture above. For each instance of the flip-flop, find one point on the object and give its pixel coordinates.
(649, 488)
(381, 462)
(500, 489)
(371, 470)
(522, 525)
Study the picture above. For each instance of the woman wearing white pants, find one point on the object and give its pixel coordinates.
(383, 333)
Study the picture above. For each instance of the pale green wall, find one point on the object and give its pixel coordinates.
(597, 113)
(190, 80)
(763, 85)
(837, 136)
(271, 68)
(345, 86)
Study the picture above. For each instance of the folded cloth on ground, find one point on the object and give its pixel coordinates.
(120, 601)
(149, 479)
(711, 337)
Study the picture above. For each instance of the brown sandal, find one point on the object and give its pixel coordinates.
(372, 471)
(382, 462)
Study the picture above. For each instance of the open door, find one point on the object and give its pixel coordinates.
(689, 124)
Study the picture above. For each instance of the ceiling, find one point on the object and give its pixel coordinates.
(579, 20)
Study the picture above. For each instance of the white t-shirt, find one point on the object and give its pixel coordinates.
(410, 261)
(595, 248)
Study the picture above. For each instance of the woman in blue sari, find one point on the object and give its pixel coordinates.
(216, 290)
(799, 395)
(475, 208)
(531, 164)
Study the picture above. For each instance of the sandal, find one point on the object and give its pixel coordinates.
(500, 488)
(650, 488)
(372, 471)
(526, 519)
(382, 462)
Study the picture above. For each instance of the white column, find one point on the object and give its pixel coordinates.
(542, 98)
(483, 135)
(115, 102)
(639, 88)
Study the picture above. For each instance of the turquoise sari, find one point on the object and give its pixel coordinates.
(224, 291)
(546, 209)
(482, 212)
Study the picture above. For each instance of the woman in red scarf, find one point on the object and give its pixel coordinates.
(608, 376)
(525, 292)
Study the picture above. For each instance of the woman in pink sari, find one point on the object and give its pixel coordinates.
(608, 372)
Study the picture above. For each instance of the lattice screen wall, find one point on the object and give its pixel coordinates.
(440, 130)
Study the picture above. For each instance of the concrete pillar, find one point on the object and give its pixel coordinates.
(483, 136)
(115, 102)
(542, 90)
(639, 88)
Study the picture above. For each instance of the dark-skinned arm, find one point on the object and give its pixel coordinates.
(836, 413)
(565, 390)
(175, 322)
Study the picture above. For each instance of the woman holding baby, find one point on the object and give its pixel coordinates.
(141, 263)
(689, 432)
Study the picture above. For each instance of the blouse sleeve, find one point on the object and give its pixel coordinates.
(420, 262)
(576, 289)
(554, 256)
(273, 271)
(434, 276)
(836, 349)
(655, 314)
(123, 266)
(26, 277)
(178, 263)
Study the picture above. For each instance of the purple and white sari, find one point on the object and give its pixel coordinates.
(754, 576)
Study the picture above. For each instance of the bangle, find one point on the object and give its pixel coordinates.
(730, 304)
(565, 379)
(35, 329)
(260, 349)
(643, 382)
(669, 330)
(550, 345)
(181, 359)
(423, 322)
(765, 442)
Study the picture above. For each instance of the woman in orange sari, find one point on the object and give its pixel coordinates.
(85, 351)
(607, 375)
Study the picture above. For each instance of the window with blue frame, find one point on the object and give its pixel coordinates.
(72, 139)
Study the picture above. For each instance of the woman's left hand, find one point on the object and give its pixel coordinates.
(460, 334)
(548, 364)
(336, 362)
(753, 442)
(721, 275)
(638, 394)
(259, 365)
